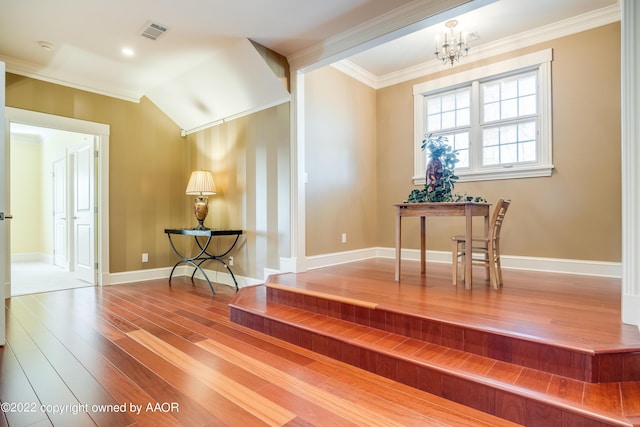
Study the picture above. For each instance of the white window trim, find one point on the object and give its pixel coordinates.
(544, 167)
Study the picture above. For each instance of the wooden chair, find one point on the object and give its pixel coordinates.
(488, 248)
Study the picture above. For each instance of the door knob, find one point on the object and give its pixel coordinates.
(3, 216)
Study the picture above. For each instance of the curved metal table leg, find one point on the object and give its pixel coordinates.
(203, 255)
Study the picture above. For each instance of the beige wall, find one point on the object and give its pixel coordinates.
(147, 163)
(150, 163)
(27, 198)
(340, 156)
(249, 159)
(574, 214)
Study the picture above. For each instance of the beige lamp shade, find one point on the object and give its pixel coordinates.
(201, 184)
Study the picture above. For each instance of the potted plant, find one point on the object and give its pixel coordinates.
(440, 175)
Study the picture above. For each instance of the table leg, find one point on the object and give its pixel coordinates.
(468, 249)
(190, 260)
(398, 244)
(423, 245)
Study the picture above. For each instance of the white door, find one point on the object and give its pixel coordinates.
(84, 211)
(5, 250)
(60, 211)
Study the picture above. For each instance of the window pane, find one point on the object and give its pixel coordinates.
(449, 120)
(433, 123)
(461, 141)
(490, 156)
(449, 110)
(490, 136)
(508, 153)
(463, 117)
(463, 156)
(527, 86)
(509, 90)
(491, 112)
(527, 105)
(508, 134)
(527, 152)
(509, 108)
(509, 144)
(527, 131)
(448, 102)
(491, 93)
(517, 96)
(433, 105)
(463, 99)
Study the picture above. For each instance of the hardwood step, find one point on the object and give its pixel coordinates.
(429, 357)
(583, 363)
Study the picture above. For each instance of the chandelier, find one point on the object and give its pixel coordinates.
(454, 46)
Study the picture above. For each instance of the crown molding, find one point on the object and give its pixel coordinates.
(349, 68)
(542, 34)
(26, 69)
(404, 20)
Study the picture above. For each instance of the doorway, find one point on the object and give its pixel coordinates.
(60, 243)
(52, 200)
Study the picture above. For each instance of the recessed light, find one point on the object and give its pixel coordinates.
(127, 51)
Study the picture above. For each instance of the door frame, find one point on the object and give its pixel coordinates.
(101, 132)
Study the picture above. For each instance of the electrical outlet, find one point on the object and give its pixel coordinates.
(230, 262)
(145, 257)
(344, 237)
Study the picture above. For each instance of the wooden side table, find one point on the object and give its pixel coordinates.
(422, 210)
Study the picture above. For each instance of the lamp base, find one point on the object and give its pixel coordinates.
(200, 210)
(200, 226)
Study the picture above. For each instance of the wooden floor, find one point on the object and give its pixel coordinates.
(582, 312)
(547, 349)
(149, 354)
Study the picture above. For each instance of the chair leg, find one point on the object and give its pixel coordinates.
(487, 266)
(454, 262)
(498, 265)
(498, 274)
(493, 276)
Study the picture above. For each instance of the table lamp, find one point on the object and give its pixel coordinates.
(201, 185)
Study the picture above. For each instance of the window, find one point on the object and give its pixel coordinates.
(497, 117)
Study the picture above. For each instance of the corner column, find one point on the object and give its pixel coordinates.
(630, 69)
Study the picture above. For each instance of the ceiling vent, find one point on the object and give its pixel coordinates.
(153, 30)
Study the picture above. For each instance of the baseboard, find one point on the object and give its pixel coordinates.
(326, 260)
(552, 265)
(214, 276)
(32, 257)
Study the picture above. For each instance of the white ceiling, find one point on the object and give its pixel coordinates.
(497, 21)
(87, 38)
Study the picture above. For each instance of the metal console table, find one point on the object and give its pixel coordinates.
(204, 254)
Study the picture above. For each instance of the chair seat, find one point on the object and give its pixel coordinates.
(461, 238)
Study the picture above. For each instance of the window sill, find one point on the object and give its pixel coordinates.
(499, 173)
